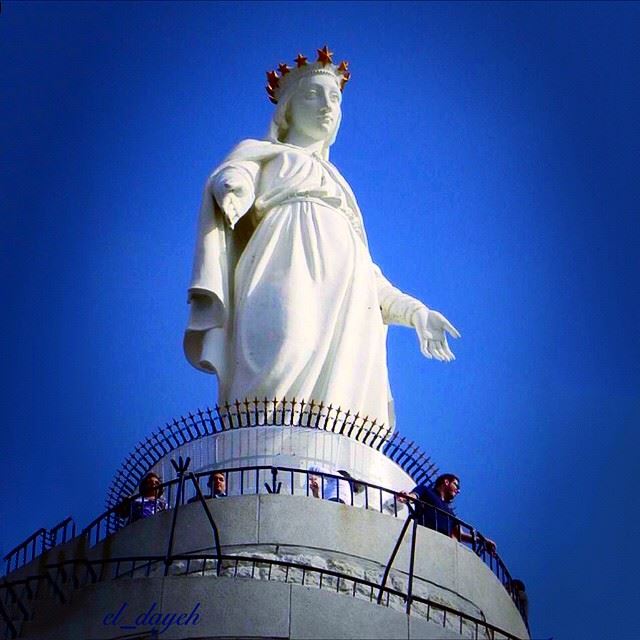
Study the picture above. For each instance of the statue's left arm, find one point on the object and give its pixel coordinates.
(402, 309)
(398, 307)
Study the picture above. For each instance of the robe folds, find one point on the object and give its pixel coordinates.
(294, 306)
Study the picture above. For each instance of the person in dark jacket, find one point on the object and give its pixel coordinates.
(433, 508)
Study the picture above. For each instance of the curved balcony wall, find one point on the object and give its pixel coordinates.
(312, 532)
(228, 609)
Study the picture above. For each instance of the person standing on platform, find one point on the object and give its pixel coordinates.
(433, 508)
(148, 503)
(217, 484)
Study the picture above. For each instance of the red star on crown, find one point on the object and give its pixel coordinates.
(301, 60)
(283, 68)
(324, 56)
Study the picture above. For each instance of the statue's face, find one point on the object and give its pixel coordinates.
(314, 109)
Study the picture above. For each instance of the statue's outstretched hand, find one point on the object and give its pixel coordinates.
(232, 196)
(431, 327)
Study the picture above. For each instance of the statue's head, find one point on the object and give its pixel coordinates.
(308, 99)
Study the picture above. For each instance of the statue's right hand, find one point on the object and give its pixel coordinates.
(232, 196)
(231, 206)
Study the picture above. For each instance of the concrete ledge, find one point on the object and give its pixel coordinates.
(183, 607)
(359, 539)
(188, 608)
(319, 615)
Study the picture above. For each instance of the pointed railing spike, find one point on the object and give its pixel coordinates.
(247, 414)
(344, 419)
(219, 418)
(360, 428)
(176, 428)
(160, 443)
(196, 426)
(209, 424)
(185, 430)
(227, 416)
(372, 431)
(186, 427)
(148, 443)
(238, 414)
(171, 434)
(326, 417)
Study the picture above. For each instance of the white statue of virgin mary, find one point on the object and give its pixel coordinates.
(286, 301)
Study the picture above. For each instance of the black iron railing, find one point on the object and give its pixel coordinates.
(258, 413)
(29, 549)
(62, 532)
(290, 481)
(266, 479)
(38, 542)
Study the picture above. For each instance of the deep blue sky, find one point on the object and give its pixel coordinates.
(494, 149)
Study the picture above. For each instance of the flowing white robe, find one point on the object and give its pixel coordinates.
(296, 311)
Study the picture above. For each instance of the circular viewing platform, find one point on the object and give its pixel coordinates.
(289, 551)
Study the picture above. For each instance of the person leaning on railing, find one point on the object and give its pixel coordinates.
(441, 518)
(147, 503)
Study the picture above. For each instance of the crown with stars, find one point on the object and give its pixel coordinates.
(278, 81)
